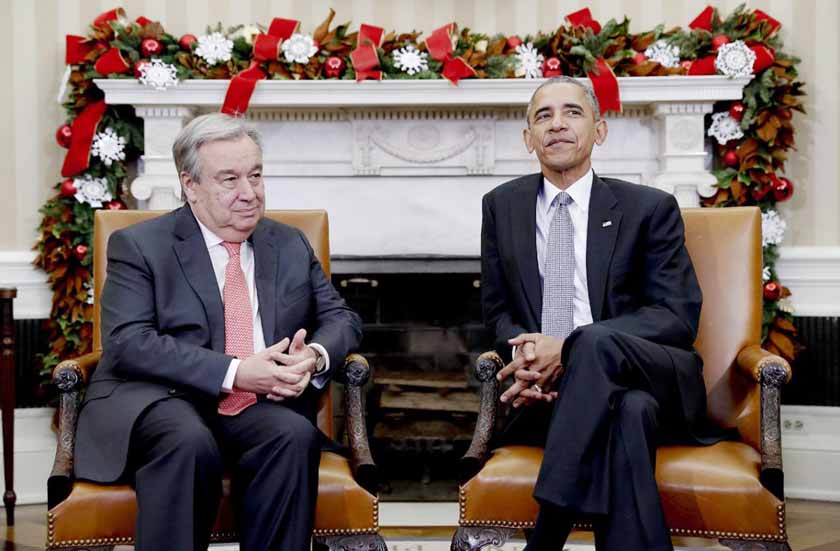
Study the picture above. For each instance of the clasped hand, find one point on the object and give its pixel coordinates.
(535, 368)
(282, 370)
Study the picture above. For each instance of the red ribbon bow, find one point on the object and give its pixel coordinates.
(267, 45)
(104, 19)
(240, 89)
(773, 23)
(84, 127)
(703, 20)
(365, 58)
(584, 18)
(441, 44)
(604, 82)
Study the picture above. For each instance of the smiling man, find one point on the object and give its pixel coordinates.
(205, 316)
(593, 299)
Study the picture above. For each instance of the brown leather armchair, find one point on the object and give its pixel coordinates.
(85, 515)
(732, 490)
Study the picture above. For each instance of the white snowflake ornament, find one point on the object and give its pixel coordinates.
(725, 128)
(773, 228)
(410, 61)
(214, 48)
(735, 59)
(93, 191)
(108, 146)
(786, 306)
(529, 61)
(88, 286)
(158, 75)
(765, 274)
(299, 48)
(667, 55)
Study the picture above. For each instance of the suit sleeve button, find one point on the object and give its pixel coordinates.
(172, 391)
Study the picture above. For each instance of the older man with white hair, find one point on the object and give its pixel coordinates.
(206, 316)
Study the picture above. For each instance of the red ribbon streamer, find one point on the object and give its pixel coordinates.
(111, 61)
(440, 46)
(764, 57)
(76, 50)
(84, 127)
(704, 20)
(365, 58)
(703, 66)
(267, 46)
(143, 21)
(774, 23)
(605, 86)
(103, 19)
(584, 18)
(240, 89)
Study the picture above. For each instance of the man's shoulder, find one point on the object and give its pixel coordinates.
(156, 226)
(512, 186)
(278, 229)
(634, 194)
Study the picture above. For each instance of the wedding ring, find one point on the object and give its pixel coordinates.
(537, 387)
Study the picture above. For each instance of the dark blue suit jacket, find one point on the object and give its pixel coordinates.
(641, 280)
(163, 325)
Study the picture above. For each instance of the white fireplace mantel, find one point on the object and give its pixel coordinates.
(401, 165)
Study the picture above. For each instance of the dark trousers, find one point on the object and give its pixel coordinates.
(177, 462)
(600, 453)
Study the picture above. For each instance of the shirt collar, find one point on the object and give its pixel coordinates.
(210, 238)
(580, 191)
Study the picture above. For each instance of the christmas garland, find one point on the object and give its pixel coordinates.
(753, 135)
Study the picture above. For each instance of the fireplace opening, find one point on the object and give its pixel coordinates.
(422, 335)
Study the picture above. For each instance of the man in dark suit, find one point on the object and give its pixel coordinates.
(593, 298)
(205, 313)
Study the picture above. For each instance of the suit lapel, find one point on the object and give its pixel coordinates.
(523, 213)
(191, 251)
(265, 273)
(604, 223)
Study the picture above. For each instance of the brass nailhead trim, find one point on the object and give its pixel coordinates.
(216, 536)
(780, 513)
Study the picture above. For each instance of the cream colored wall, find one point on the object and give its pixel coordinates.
(32, 55)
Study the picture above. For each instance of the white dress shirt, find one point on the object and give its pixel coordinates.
(580, 191)
(219, 258)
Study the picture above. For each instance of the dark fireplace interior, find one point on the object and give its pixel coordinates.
(423, 333)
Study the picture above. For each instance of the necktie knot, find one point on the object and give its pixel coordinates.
(563, 199)
(231, 247)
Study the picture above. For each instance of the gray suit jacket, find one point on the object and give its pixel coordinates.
(163, 326)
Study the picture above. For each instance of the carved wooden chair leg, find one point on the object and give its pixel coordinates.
(469, 538)
(361, 542)
(745, 545)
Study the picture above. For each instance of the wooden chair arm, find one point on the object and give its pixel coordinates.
(486, 368)
(69, 377)
(770, 372)
(354, 374)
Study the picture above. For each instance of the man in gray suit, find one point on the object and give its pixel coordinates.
(205, 317)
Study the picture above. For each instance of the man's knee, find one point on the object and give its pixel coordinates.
(297, 432)
(594, 345)
(194, 441)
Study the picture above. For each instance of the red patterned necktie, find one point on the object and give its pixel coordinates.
(239, 326)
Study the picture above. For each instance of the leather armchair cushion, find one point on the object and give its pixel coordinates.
(706, 491)
(96, 514)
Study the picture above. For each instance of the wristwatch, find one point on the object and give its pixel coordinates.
(320, 361)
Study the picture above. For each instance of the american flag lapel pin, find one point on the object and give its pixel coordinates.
(606, 223)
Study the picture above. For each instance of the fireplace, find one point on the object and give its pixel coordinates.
(400, 166)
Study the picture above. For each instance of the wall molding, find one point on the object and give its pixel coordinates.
(811, 273)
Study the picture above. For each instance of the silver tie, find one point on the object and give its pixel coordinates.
(559, 272)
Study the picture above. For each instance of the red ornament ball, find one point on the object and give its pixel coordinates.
(551, 67)
(63, 135)
(80, 251)
(186, 41)
(639, 58)
(138, 67)
(772, 290)
(513, 42)
(782, 189)
(730, 158)
(115, 205)
(720, 40)
(736, 110)
(150, 47)
(334, 66)
(68, 188)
